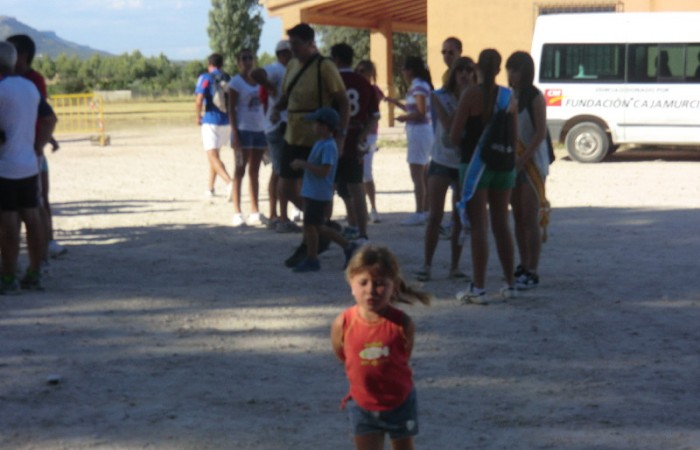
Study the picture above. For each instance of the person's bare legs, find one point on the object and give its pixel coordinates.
(419, 189)
(254, 158)
(9, 241)
(456, 246)
(372, 441)
(36, 241)
(526, 208)
(288, 191)
(358, 204)
(402, 444)
(499, 199)
(479, 220)
(238, 174)
(216, 167)
(272, 194)
(437, 189)
(371, 192)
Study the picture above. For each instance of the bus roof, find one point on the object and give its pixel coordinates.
(642, 27)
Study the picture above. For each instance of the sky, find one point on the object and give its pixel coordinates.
(176, 28)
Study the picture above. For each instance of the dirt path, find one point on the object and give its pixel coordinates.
(172, 330)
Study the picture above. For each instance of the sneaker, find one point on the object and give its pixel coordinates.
(350, 233)
(238, 220)
(209, 193)
(527, 280)
(456, 274)
(374, 216)
(519, 271)
(298, 216)
(473, 295)
(31, 281)
(9, 286)
(297, 257)
(349, 251)
(56, 249)
(256, 219)
(307, 265)
(508, 292)
(413, 220)
(422, 274)
(287, 227)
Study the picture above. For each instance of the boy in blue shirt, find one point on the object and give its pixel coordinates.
(317, 190)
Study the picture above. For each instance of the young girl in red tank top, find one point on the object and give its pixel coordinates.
(374, 340)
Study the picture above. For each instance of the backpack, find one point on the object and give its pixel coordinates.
(497, 149)
(219, 89)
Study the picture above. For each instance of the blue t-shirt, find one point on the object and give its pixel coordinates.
(212, 114)
(323, 153)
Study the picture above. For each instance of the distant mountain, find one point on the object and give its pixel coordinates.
(47, 42)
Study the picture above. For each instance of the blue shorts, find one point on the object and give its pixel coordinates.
(400, 422)
(252, 139)
(275, 141)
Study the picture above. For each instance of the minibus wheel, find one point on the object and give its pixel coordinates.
(587, 142)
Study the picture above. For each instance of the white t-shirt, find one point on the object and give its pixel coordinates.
(275, 73)
(19, 107)
(443, 151)
(249, 110)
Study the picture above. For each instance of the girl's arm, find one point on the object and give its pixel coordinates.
(337, 337)
(419, 114)
(460, 118)
(232, 101)
(395, 102)
(409, 330)
(539, 110)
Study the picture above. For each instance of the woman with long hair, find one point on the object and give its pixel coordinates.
(491, 197)
(419, 131)
(532, 166)
(443, 171)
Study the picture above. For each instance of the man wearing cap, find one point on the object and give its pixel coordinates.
(270, 78)
(311, 82)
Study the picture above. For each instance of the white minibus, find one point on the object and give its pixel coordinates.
(619, 78)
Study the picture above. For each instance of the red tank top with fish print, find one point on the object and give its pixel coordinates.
(376, 360)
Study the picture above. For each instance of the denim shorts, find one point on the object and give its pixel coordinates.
(275, 141)
(252, 139)
(400, 422)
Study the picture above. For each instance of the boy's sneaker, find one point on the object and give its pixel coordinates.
(308, 265)
(473, 295)
(508, 292)
(287, 227)
(297, 257)
(238, 220)
(9, 286)
(374, 216)
(256, 219)
(519, 271)
(349, 251)
(422, 274)
(526, 281)
(31, 281)
(56, 249)
(414, 220)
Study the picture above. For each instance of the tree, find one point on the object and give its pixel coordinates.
(234, 25)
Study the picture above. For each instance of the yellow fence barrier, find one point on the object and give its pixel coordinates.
(80, 114)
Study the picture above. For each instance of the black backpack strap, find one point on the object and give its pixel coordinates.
(300, 73)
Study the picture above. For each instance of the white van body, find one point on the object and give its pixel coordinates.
(619, 78)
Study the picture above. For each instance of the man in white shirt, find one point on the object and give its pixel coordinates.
(21, 141)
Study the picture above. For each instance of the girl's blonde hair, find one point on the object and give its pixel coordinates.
(366, 67)
(376, 259)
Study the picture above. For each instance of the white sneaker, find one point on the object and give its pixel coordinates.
(374, 216)
(209, 193)
(473, 295)
(238, 220)
(56, 249)
(255, 219)
(298, 216)
(414, 220)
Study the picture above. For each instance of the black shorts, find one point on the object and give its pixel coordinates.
(437, 169)
(314, 211)
(290, 153)
(19, 194)
(349, 170)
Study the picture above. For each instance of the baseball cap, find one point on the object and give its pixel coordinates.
(283, 45)
(327, 116)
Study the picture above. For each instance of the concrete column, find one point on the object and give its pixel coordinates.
(381, 53)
